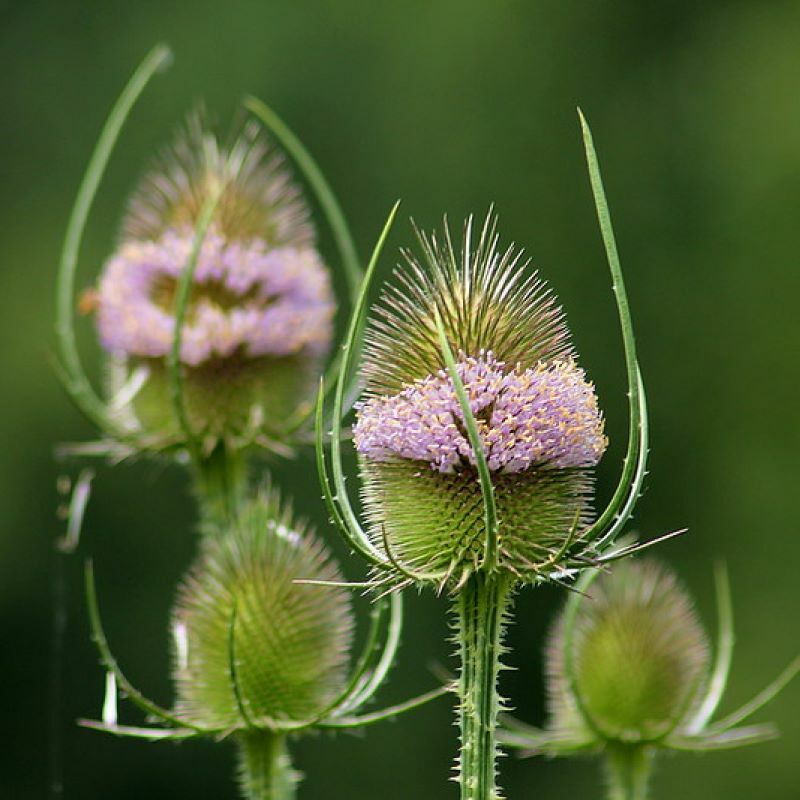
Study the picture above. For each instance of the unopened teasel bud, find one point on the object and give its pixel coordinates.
(252, 643)
(640, 657)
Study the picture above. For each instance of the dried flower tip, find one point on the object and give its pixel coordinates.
(541, 416)
(486, 300)
(246, 298)
(257, 645)
(259, 199)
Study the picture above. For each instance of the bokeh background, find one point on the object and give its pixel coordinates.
(449, 105)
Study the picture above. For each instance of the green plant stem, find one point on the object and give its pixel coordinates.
(629, 768)
(265, 771)
(221, 484)
(481, 608)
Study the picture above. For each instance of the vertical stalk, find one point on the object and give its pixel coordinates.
(221, 482)
(265, 771)
(629, 768)
(481, 607)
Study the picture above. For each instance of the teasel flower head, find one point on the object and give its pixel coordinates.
(240, 608)
(478, 432)
(263, 634)
(639, 656)
(257, 319)
(215, 310)
(629, 671)
(537, 417)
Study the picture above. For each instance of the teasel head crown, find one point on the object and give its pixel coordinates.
(537, 417)
(258, 312)
(630, 671)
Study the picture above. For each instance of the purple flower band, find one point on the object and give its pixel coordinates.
(543, 416)
(246, 296)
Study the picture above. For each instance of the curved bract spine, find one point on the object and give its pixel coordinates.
(484, 477)
(369, 673)
(337, 222)
(316, 180)
(181, 303)
(76, 381)
(634, 465)
(639, 623)
(335, 492)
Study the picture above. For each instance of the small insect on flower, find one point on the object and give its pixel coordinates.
(258, 315)
(629, 671)
(537, 416)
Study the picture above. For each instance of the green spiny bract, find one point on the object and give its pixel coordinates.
(253, 645)
(629, 673)
(258, 316)
(640, 658)
(537, 416)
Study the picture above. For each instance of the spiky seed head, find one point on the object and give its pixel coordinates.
(537, 414)
(640, 657)
(259, 315)
(259, 199)
(252, 645)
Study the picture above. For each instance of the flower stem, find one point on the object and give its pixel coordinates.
(221, 481)
(265, 771)
(481, 607)
(629, 768)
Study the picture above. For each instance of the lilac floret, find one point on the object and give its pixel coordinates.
(280, 300)
(542, 416)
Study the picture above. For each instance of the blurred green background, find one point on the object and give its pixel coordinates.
(449, 105)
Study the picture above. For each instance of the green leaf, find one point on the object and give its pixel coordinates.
(77, 382)
(634, 467)
(484, 476)
(181, 303)
(723, 656)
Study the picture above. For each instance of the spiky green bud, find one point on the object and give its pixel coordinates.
(252, 644)
(639, 657)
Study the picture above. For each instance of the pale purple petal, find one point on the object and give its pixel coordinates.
(543, 416)
(286, 303)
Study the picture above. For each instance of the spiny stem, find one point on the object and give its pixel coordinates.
(265, 771)
(481, 606)
(221, 483)
(629, 768)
